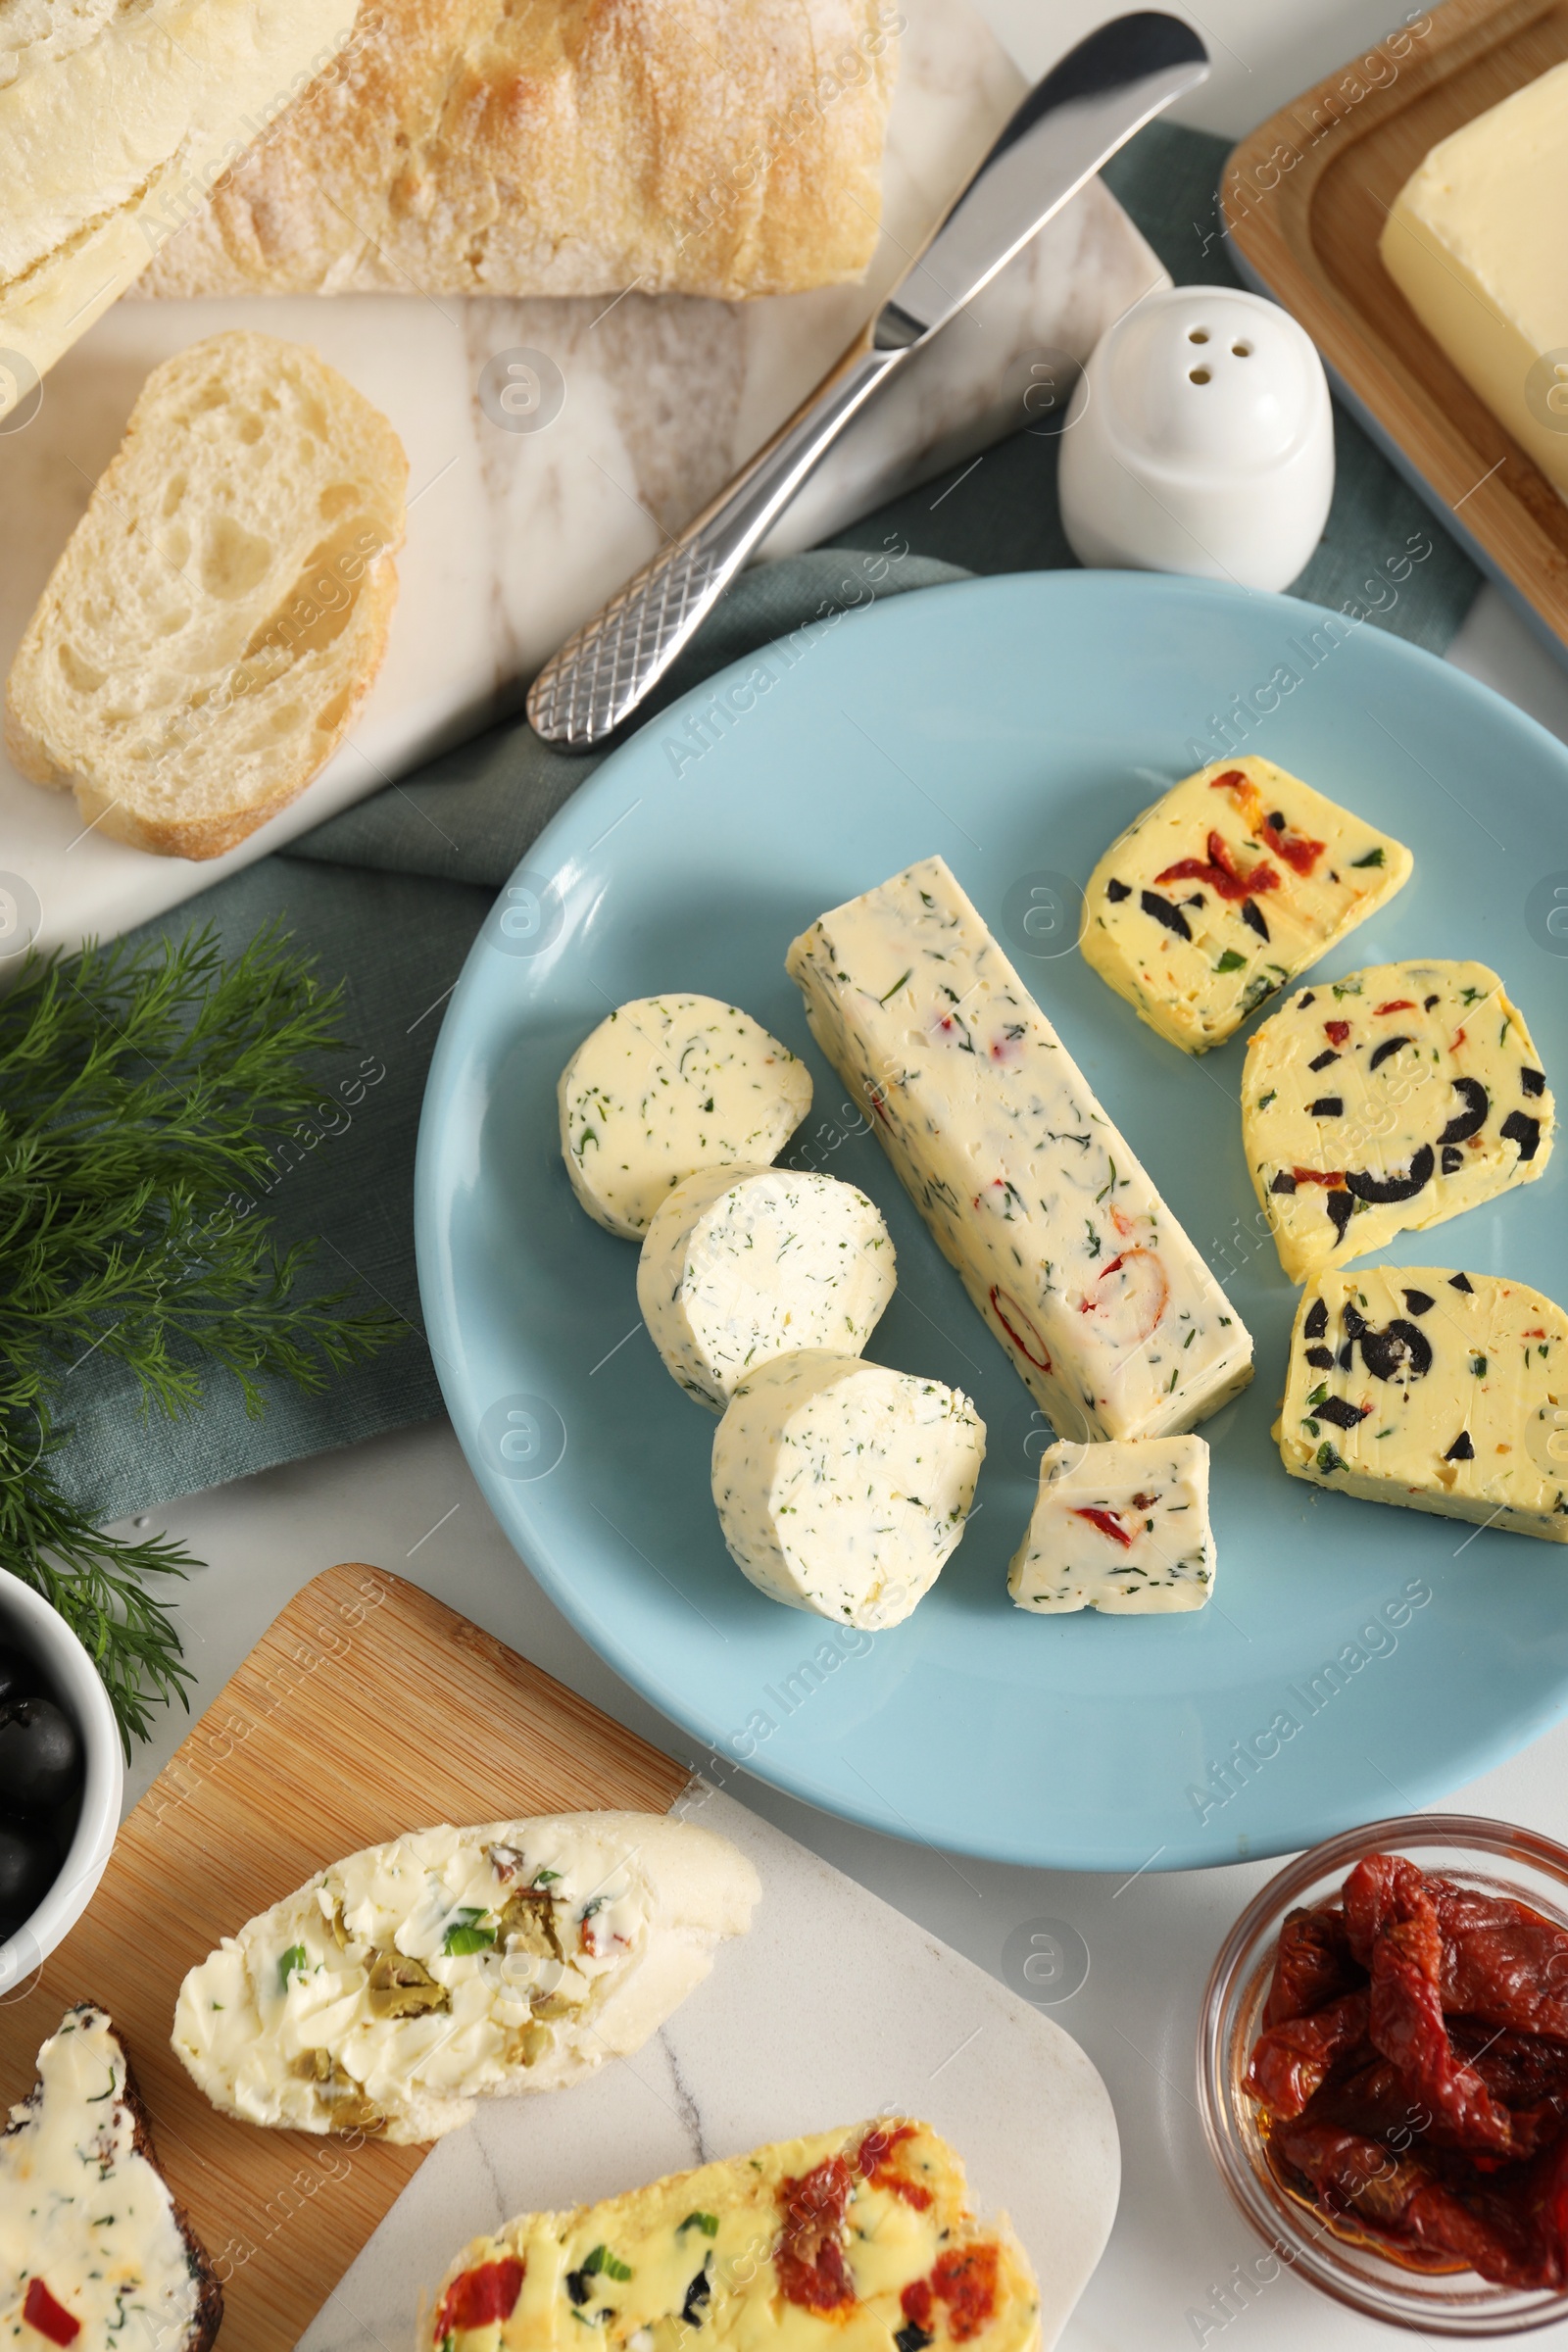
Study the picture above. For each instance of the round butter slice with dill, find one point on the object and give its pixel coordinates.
(742, 1264)
(666, 1086)
(844, 1487)
(413, 1979)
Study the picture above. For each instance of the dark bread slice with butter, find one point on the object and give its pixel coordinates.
(73, 2262)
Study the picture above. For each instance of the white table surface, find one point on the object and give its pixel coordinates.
(409, 1503)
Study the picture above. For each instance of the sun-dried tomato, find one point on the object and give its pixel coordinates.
(1223, 875)
(965, 2280)
(1441, 2126)
(808, 2260)
(478, 2298)
(1313, 1964)
(1106, 1521)
(1298, 849)
(875, 2166)
(1292, 2058)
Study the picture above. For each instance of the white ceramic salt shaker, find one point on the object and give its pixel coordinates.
(1199, 439)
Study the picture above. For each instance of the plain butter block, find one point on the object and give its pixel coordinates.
(1476, 243)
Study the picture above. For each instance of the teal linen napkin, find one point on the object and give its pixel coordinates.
(388, 895)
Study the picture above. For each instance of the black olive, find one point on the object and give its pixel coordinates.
(1327, 1106)
(912, 2337)
(1394, 1187)
(1354, 1320)
(1320, 1359)
(17, 1675)
(1533, 1082)
(1526, 1133)
(1420, 1303)
(1452, 1159)
(1462, 1449)
(1164, 912)
(40, 1755)
(1460, 1282)
(1302, 1002)
(1284, 1182)
(1399, 1349)
(1327, 1055)
(29, 1866)
(1318, 1319)
(1341, 1209)
(698, 2294)
(1342, 1414)
(1116, 891)
(1477, 1103)
(1427, 1004)
(1252, 916)
(1390, 1045)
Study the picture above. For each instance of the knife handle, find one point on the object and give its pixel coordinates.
(603, 672)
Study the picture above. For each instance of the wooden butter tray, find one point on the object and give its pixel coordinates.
(364, 1708)
(1306, 196)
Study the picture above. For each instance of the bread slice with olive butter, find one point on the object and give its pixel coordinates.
(854, 2241)
(411, 1980)
(89, 2233)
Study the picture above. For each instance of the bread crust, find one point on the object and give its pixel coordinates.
(717, 147)
(111, 133)
(208, 2317)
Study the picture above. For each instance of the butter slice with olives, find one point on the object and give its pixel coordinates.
(1386, 1101)
(1443, 1391)
(742, 1264)
(1113, 1321)
(844, 1487)
(666, 1086)
(850, 2241)
(1122, 1528)
(414, 1978)
(1235, 881)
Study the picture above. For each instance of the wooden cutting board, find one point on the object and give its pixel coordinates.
(1306, 196)
(366, 1709)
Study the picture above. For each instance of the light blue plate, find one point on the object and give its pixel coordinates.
(1355, 1660)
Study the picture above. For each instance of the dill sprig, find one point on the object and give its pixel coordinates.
(142, 1093)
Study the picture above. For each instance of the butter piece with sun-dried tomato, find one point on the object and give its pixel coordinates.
(1120, 1527)
(1443, 1391)
(1233, 883)
(853, 2240)
(1388, 1100)
(1112, 1320)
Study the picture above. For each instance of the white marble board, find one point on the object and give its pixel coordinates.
(834, 2009)
(514, 537)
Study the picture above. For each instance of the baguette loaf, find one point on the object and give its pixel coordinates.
(222, 605)
(114, 121)
(718, 147)
(89, 2234)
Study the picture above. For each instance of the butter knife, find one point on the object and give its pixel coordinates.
(1071, 122)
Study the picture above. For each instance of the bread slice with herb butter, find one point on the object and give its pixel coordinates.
(413, 1979)
(89, 2232)
(853, 2240)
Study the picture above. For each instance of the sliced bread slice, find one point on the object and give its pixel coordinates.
(89, 2229)
(221, 607)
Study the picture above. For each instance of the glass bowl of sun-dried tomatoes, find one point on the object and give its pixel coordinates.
(1383, 2071)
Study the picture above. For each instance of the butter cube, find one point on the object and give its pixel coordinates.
(1476, 243)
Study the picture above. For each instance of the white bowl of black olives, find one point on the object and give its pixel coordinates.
(62, 1774)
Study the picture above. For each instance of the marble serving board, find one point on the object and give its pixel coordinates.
(833, 2008)
(641, 409)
